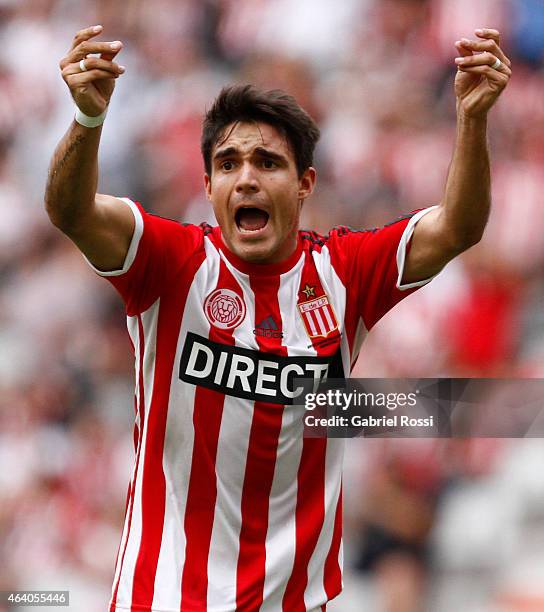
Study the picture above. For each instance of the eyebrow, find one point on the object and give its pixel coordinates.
(271, 154)
(261, 151)
(225, 153)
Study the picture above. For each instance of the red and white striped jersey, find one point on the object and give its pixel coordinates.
(229, 506)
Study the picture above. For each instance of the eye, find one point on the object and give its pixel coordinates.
(227, 165)
(269, 164)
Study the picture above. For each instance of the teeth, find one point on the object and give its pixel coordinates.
(246, 231)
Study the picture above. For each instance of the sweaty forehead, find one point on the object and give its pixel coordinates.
(248, 135)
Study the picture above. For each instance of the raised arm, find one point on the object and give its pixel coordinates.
(458, 223)
(100, 225)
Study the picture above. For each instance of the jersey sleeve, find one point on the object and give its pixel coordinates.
(158, 252)
(370, 264)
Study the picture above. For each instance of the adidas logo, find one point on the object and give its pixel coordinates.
(267, 328)
(267, 323)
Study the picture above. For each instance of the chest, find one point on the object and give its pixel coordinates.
(252, 336)
(298, 313)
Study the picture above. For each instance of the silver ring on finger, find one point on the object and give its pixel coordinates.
(82, 66)
(497, 64)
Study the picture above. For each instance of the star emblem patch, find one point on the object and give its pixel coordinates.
(309, 291)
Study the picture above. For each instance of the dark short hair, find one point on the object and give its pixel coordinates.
(276, 108)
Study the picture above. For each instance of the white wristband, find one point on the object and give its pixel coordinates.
(90, 122)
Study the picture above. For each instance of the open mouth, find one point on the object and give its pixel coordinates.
(251, 220)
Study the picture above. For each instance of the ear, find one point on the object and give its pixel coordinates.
(306, 183)
(208, 186)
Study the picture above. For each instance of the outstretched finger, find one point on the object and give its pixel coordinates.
(485, 45)
(488, 33)
(86, 48)
(85, 34)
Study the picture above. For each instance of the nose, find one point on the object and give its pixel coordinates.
(247, 180)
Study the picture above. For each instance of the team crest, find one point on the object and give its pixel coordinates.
(224, 308)
(318, 317)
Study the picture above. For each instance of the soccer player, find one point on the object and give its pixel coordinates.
(230, 507)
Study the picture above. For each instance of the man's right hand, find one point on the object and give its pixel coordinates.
(102, 226)
(91, 89)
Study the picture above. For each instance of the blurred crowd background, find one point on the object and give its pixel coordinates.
(439, 525)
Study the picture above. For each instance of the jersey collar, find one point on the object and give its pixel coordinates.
(256, 268)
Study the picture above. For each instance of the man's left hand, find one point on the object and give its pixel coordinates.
(478, 84)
